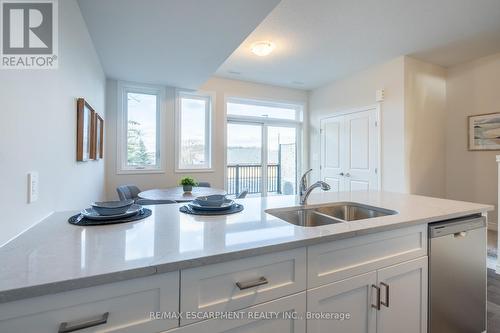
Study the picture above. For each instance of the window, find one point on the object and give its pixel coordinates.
(139, 124)
(262, 109)
(194, 131)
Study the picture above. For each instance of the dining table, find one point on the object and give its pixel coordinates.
(177, 193)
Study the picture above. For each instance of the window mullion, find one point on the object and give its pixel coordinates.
(264, 159)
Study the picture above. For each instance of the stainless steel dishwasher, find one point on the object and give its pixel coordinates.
(457, 276)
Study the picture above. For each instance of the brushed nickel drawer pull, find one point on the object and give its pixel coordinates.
(250, 284)
(83, 323)
(377, 306)
(386, 286)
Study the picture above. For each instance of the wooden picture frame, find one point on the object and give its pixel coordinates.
(484, 132)
(99, 137)
(85, 144)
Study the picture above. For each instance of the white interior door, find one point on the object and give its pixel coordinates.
(332, 149)
(350, 150)
(361, 160)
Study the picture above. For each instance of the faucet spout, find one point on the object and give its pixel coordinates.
(303, 182)
(303, 196)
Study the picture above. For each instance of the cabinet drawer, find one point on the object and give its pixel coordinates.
(128, 304)
(242, 283)
(248, 321)
(338, 260)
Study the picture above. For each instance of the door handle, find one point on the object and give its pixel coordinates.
(348, 174)
(386, 286)
(250, 284)
(84, 323)
(341, 174)
(377, 289)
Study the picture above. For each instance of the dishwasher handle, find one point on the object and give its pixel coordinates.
(460, 234)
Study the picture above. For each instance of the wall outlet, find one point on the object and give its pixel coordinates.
(32, 186)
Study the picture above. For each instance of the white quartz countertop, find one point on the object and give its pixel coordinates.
(56, 256)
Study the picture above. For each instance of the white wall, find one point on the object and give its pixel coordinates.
(472, 88)
(358, 91)
(38, 130)
(425, 121)
(222, 88)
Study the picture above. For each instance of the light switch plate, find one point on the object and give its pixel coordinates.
(380, 95)
(32, 186)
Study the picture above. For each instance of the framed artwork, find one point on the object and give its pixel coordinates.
(99, 137)
(85, 146)
(484, 132)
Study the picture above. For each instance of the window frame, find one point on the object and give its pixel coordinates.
(209, 129)
(122, 166)
(298, 107)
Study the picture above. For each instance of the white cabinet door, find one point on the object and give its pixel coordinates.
(278, 316)
(404, 288)
(350, 150)
(353, 296)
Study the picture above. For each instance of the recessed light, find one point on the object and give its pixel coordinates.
(234, 72)
(299, 83)
(262, 48)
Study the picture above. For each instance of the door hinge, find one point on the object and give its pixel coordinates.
(320, 131)
(320, 167)
(376, 123)
(376, 170)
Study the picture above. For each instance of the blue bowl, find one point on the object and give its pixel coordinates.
(107, 208)
(215, 200)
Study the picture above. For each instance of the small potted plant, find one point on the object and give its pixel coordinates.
(188, 183)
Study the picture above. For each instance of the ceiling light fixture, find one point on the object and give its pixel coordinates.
(262, 48)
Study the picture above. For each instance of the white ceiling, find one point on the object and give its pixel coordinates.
(178, 43)
(322, 40)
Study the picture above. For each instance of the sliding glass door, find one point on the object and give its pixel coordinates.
(244, 158)
(263, 147)
(261, 159)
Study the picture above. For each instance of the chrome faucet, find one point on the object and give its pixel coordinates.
(303, 182)
(303, 196)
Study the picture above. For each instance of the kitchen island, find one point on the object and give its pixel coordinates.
(118, 275)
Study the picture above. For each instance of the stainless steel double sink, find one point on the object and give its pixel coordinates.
(339, 212)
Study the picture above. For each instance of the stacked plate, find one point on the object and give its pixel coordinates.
(211, 203)
(111, 210)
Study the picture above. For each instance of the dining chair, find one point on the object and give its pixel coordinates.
(204, 184)
(242, 194)
(146, 202)
(128, 192)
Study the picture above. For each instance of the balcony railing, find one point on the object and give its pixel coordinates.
(248, 177)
